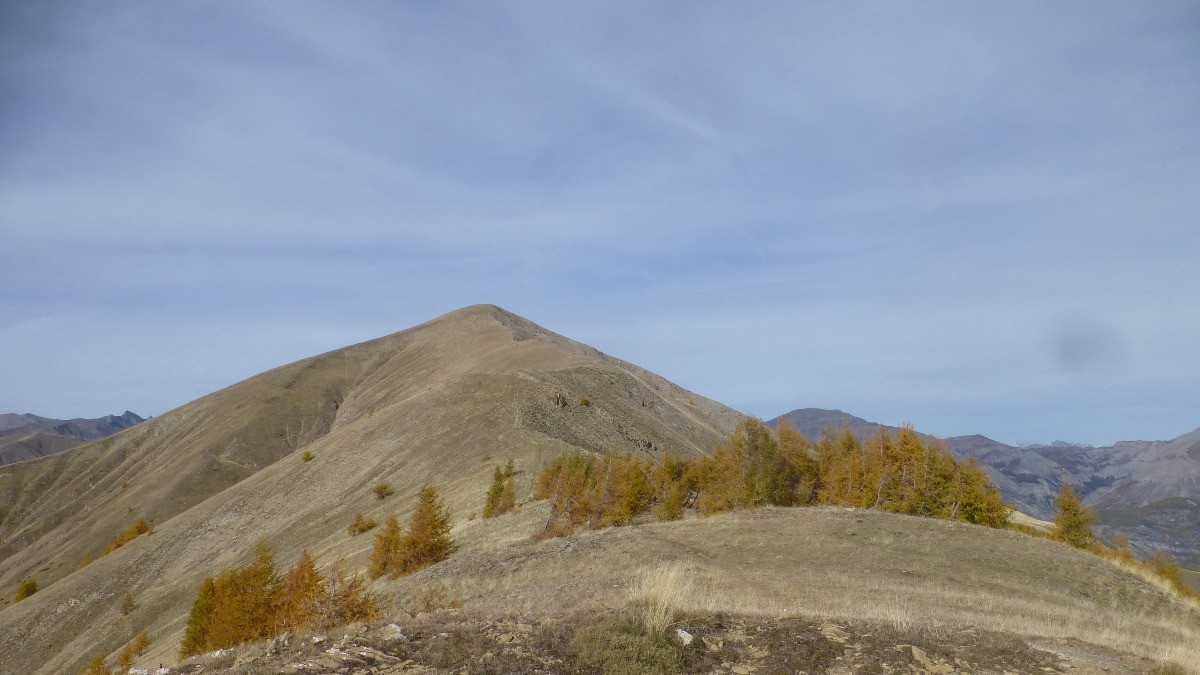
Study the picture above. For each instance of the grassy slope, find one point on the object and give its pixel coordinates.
(423, 404)
(426, 404)
(54, 509)
(829, 563)
(31, 446)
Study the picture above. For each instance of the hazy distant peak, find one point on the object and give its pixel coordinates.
(1027, 445)
(978, 438)
(27, 436)
(821, 415)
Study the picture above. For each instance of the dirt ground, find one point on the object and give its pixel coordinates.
(454, 641)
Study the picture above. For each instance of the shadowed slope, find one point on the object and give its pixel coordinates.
(20, 448)
(25, 437)
(423, 404)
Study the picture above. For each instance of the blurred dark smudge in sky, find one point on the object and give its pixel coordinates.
(1085, 347)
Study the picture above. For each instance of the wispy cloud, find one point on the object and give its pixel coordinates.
(892, 210)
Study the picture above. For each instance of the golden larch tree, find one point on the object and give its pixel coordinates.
(1072, 522)
(300, 594)
(491, 504)
(428, 537)
(195, 636)
(385, 555)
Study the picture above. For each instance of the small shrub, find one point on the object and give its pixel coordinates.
(471, 516)
(485, 457)
(617, 645)
(131, 651)
(96, 666)
(553, 529)
(431, 598)
(360, 524)
(346, 599)
(307, 456)
(500, 495)
(584, 401)
(383, 491)
(128, 604)
(85, 560)
(125, 536)
(26, 589)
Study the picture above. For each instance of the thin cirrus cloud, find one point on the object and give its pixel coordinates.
(917, 213)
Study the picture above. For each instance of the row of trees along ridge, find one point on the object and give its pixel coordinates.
(757, 466)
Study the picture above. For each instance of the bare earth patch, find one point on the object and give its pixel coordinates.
(454, 641)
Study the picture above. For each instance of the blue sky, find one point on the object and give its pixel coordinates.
(973, 217)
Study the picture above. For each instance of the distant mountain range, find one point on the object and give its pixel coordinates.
(1148, 489)
(27, 436)
(292, 455)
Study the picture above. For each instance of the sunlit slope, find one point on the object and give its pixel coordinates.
(56, 509)
(425, 404)
(827, 562)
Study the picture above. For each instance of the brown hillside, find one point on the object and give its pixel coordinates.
(15, 448)
(447, 401)
(426, 403)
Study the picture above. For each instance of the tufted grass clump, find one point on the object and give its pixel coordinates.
(659, 595)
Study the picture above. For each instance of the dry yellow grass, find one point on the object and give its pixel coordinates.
(832, 563)
(1019, 518)
(660, 592)
(1143, 571)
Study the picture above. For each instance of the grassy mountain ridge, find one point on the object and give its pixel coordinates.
(902, 579)
(79, 427)
(426, 403)
(445, 402)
